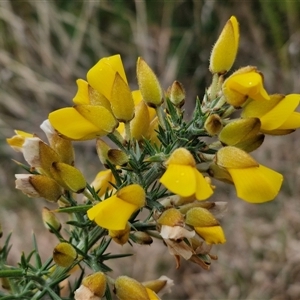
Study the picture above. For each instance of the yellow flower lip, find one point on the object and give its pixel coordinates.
(225, 50)
(277, 116)
(113, 213)
(182, 177)
(254, 183)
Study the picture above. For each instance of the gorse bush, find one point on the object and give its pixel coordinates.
(160, 168)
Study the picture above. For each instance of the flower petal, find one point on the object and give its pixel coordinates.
(102, 75)
(82, 95)
(179, 179)
(212, 235)
(292, 122)
(256, 185)
(279, 114)
(112, 213)
(71, 124)
(203, 188)
(99, 116)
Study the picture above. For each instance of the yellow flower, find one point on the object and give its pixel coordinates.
(253, 182)
(114, 212)
(99, 101)
(206, 225)
(225, 50)
(102, 182)
(277, 116)
(17, 141)
(182, 177)
(245, 82)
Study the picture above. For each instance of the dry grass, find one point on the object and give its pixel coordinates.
(46, 45)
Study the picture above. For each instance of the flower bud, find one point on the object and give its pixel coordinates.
(92, 288)
(49, 218)
(213, 124)
(200, 217)
(161, 286)
(117, 157)
(62, 147)
(36, 186)
(225, 49)
(141, 238)
(176, 94)
(120, 236)
(64, 254)
(171, 217)
(128, 288)
(68, 177)
(121, 100)
(102, 150)
(148, 84)
(206, 225)
(39, 155)
(140, 124)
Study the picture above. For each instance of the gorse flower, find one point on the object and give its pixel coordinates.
(157, 166)
(182, 177)
(114, 212)
(243, 84)
(253, 182)
(277, 115)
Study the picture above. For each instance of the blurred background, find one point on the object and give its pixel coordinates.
(46, 45)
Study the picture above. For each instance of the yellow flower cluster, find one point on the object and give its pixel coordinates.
(160, 162)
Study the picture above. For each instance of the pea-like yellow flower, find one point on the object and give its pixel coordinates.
(182, 177)
(245, 83)
(253, 182)
(225, 49)
(277, 116)
(100, 101)
(206, 225)
(114, 212)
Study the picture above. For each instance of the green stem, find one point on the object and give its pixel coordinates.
(11, 273)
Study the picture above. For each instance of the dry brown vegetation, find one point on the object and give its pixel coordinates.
(46, 45)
